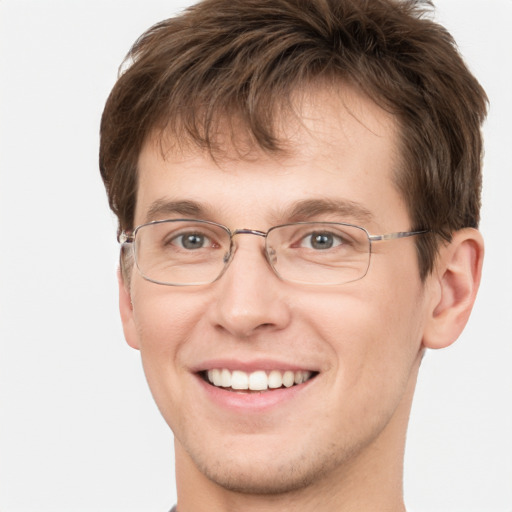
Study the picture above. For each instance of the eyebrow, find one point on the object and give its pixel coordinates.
(343, 208)
(161, 209)
(302, 210)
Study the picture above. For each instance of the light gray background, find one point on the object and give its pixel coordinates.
(78, 429)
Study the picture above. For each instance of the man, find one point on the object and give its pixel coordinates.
(297, 185)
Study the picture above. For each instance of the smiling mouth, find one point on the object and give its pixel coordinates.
(260, 380)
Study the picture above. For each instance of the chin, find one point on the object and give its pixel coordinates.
(266, 480)
(269, 472)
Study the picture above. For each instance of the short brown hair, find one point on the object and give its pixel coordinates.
(242, 59)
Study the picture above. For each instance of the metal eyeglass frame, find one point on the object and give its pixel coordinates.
(129, 238)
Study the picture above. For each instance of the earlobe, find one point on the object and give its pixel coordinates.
(455, 284)
(126, 310)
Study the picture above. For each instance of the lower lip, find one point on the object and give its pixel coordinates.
(252, 401)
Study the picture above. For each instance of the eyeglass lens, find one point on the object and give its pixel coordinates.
(184, 252)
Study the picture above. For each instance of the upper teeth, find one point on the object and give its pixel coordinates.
(258, 380)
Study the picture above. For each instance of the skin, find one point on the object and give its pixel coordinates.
(337, 443)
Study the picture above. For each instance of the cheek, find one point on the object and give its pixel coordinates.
(165, 320)
(163, 316)
(373, 331)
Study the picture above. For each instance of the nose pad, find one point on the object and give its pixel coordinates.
(226, 260)
(271, 255)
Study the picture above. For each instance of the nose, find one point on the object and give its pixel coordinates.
(250, 298)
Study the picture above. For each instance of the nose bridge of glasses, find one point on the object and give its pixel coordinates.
(245, 231)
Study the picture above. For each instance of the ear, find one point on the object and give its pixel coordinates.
(455, 282)
(126, 310)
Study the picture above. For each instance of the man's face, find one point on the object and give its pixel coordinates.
(361, 341)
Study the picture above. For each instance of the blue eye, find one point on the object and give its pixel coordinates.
(321, 240)
(192, 241)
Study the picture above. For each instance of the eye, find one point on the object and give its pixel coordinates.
(321, 240)
(191, 241)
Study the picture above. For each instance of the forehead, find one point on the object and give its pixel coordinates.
(319, 114)
(335, 144)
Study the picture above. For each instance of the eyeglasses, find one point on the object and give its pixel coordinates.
(184, 252)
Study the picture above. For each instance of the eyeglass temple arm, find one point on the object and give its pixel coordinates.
(393, 236)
